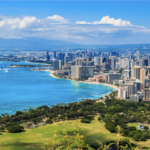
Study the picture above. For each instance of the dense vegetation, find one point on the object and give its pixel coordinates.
(113, 112)
(14, 127)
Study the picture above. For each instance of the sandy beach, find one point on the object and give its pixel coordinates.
(16, 66)
(51, 74)
(105, 84)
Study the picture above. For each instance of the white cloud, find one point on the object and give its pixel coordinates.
(29, 21)
(106, 31)
(108, 20)
(58, 19)
(13, 23)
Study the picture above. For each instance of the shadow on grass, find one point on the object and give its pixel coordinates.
(18, 145)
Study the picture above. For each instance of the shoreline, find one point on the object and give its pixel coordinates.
(115, 88)
(105, 84)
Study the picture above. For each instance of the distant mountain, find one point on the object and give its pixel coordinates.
(32, 43)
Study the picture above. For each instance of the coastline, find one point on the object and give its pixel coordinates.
(105, 84)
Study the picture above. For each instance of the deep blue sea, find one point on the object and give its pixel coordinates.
(22, 88)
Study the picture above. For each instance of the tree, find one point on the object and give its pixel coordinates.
(145, 128)
(85, 120)
(35, 120)
(1, 129)
(99, 119)
(49, 121)
(14, 127)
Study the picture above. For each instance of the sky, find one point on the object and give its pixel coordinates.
(84, 22)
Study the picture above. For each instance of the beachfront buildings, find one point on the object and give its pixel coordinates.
(128, 88)
(113, 76)
(128, 71)
(80, 72)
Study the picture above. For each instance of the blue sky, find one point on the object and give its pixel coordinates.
(74, 13)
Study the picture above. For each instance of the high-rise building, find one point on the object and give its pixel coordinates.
(71, 55)
(122, 92)
(87, 63)
(137, 63)
(137, 82)
(132, 64)
(48, 56)
(142, 77)
(102, 54)
(103, 59)
(97, 60)
(60, 56)
(105, 66)
(56, 65)
(147, 90)
(54, 54)
(79, 61)
(83, 54)
(67, 59)
(145, 62)
(90, 54)
(146, 94)
(61, 63)
(148, 70)
(79, 72)
(135, 72)
(134, 98)
(99, 54)
(95, 53)
(125, 63)
(112, 62)
(147, 83)
(113, 76)
(118, 66)
(88, 59)
(126, 74)
(131, 88)
(113, 53)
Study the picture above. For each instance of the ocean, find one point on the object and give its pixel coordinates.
(22, 88)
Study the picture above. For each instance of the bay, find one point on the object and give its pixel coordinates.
(22, 88)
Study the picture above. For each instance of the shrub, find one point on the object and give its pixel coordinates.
(132, 128)
(142, 138)
(111, 127)
(132, 133)
(89, 117)
(126, 132)
(84, 120)
(49, 121)
(137, 137)
(145, 128)
(14, 127)
(35, 120)
(55, 119)
(99, 118)
(1, 129)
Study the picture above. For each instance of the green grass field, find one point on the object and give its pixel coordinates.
(35, 138)
(133, 124)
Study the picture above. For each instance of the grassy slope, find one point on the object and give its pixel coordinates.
(35, 138)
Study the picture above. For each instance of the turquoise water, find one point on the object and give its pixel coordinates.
(21, 88)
